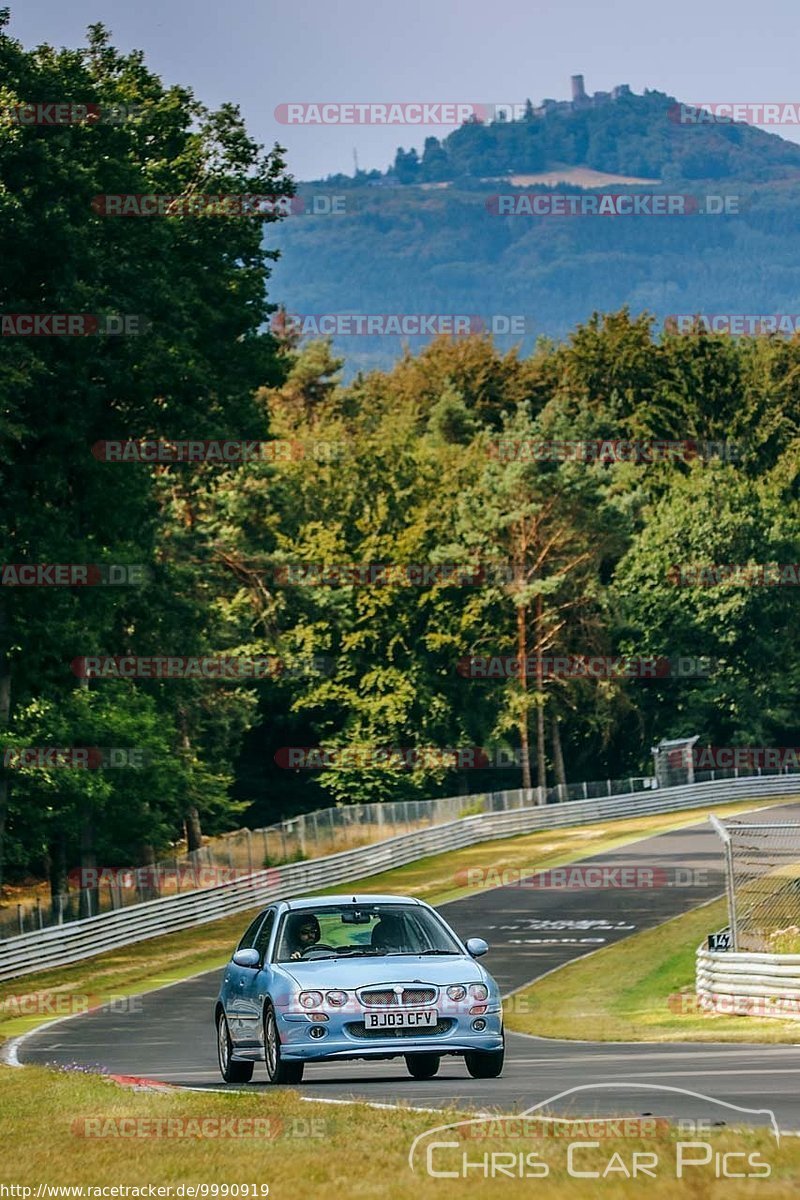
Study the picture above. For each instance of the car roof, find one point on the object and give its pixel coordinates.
(346, 898)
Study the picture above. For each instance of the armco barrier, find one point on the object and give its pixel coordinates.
(745, 983)
(63, 944)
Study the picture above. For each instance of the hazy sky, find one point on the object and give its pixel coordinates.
(261, 54)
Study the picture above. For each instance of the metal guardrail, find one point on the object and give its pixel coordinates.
(314, 834)
(748, 983)
(63, 944)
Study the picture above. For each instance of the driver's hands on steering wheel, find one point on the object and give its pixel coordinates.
(313, 946)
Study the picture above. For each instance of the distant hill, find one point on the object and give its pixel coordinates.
(425, 237)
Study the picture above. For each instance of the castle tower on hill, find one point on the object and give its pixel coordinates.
(578, 91)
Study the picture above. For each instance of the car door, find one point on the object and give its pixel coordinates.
(253, 987)
(236, 980)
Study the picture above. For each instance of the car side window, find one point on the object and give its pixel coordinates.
(249, 937)
(264, 934)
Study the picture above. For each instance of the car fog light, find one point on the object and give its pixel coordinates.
(479, 1025)
(317, 1031)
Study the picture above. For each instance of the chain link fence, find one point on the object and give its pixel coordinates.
(763, 885)
(311, 835)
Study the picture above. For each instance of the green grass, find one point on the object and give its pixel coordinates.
(66, 1128)
(147, 965)
(356, 1150)
(640, 989)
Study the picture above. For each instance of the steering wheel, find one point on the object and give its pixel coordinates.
(316, 946)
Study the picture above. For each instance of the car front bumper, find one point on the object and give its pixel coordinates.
(340, 1041)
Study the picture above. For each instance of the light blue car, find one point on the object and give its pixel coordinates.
(341, 977)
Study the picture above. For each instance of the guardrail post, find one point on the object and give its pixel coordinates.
(19, 918)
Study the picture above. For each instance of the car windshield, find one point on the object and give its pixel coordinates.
(352, 930)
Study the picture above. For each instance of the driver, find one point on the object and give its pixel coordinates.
(303, 933)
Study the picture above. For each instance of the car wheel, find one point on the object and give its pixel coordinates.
(422, 1066)
(278, 1070)
(485, 1064)
(230, 1070)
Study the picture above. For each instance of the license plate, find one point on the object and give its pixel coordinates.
(407, 1019)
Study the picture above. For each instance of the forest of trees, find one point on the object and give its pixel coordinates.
(403, 466)
(632, 135)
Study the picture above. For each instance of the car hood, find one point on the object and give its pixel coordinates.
(351, 973)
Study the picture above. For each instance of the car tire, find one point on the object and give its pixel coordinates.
(279, 1072)
(485, 1064)
(230, 1069)
(422, 1066)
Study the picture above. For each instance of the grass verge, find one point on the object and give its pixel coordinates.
(130, 970)
(62, 1129)
(639, 990)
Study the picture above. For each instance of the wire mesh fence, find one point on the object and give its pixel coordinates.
(315, 834)
(763, 885)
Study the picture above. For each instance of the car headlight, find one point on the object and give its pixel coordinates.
(479, 991)
(310, 999)
(456, 991)
(336, 999)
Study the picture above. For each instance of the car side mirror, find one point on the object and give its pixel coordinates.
(476, 947)
(247, 958)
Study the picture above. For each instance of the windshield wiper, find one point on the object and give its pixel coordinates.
(417, 953)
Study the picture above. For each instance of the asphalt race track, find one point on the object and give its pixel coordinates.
(531, 930)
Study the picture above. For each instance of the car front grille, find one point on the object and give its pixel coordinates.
(387, 998)
(358, 1029)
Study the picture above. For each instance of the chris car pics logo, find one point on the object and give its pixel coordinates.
(536, 1145)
